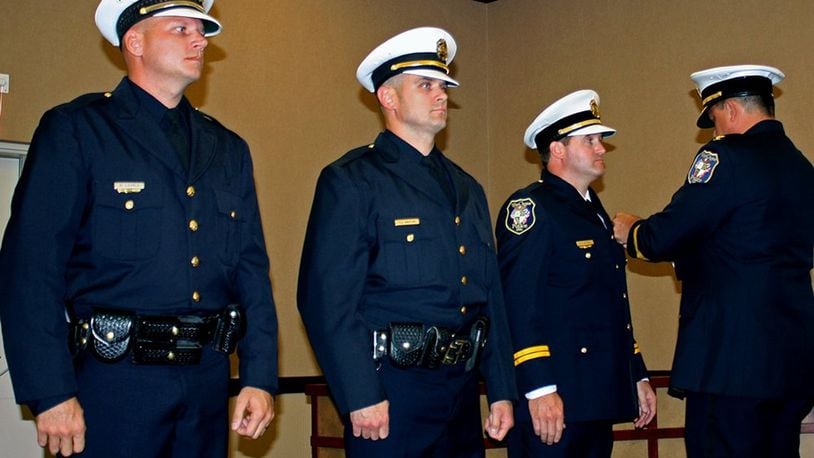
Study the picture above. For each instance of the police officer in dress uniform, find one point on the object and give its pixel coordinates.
(740, 233)
(136, 218)
(399, 288)
(566, 296)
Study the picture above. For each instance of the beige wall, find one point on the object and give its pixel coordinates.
(282, 75)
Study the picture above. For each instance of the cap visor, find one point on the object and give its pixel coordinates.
(211, 26)
(703, 119)
(594, 129)
(434, 75)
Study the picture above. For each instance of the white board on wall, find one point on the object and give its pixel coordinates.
(12, 157)
(18, 437)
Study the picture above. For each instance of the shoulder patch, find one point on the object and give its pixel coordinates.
(520, 215)
(703, 167)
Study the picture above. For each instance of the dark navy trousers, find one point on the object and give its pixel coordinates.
(735, 427)
(155, 411)
(434, 413)
(584, 439)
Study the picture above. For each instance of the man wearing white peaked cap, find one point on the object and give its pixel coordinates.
(577, 363)
(740, 233)
(398, 285)
(136, 217)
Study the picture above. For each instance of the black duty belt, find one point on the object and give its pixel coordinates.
(167, 340)
(418, 345)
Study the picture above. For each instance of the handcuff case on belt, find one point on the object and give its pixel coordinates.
(406, 344)
(111, 334)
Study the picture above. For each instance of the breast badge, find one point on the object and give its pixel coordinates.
(128, 187)
(703, 167)
(520, 215)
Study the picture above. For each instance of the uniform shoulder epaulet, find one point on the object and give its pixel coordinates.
(361, 150)
(207, 117)
(87, 99)
(353, 155)
(534, 186)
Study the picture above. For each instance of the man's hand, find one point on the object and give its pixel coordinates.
(500, 420)
(371, 422)
(621, 226)
(647, 404)
(62, 428)
(547, 417)
(254, 410)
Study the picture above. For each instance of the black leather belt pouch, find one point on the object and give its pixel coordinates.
(435, 346)
(406, 344)
(477, 336)
(230, 328)
(111, 333)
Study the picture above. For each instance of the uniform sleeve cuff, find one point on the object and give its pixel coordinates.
(542, 391)
(41, 405)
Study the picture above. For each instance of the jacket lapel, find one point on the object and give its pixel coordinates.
(410, 171)
(587, 210)
(600, 210)
(204, 144)
(460, 182)
(142, 129)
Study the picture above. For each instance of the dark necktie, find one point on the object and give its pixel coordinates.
(178, 135)
(433, 162)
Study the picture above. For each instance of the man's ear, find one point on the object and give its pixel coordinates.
(387, 97)
(731, 109)
(557, 149)
(133, 42)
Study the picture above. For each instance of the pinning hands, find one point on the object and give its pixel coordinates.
(622, 222)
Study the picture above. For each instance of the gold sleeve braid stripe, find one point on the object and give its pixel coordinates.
(527, 354)
(636, 243)
(636, 349)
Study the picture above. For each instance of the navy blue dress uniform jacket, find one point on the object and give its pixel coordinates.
(104, 215)
(740, 232)
(566, 299)
(384, 244)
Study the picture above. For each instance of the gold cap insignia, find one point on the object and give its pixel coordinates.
(441, 50)
(595, 109)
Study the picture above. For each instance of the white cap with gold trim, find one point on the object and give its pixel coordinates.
(115, 17)
(719, 83)
(424, 51)
(575, 114)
